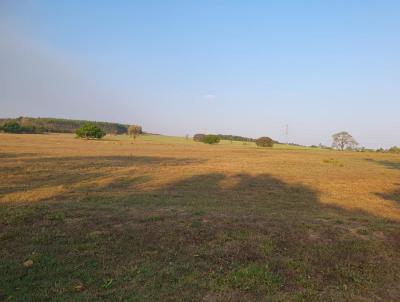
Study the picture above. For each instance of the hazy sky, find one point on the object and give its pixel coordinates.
(232, 67)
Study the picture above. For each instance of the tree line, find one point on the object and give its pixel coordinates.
(215, 139)
(82, 128)
(57, 125)
(93, 129)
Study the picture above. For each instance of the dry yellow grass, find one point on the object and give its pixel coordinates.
(169, 219)
(352, 181)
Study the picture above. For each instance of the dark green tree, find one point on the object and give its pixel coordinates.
(90, 131)
(12, 127)
(211, 139)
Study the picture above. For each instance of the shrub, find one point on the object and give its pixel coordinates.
(90, 131)
(211, 139)
(264, 142)
(199, 137)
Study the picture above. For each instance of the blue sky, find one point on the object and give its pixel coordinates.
(233, 67)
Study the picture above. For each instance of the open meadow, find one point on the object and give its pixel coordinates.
(168, 219)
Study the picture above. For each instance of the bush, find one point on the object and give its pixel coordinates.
(211, 139)
(264, 142)
(199, 137)
(90, 131)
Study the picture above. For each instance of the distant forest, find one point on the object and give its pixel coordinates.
(62, 125)
(236, 138)
(240, 138)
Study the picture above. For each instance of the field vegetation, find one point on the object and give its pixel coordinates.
(169, 219)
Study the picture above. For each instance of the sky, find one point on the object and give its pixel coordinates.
(233, 67)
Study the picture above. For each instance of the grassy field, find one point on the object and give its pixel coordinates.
(167, 219)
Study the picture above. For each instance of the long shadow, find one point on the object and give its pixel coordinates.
(386, 163)
(392, 196)
(114, 161)
(52, 171)
(243, 190)
(5, 155)
(246, 235)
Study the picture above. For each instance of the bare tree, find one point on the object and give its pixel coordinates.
(199, 137)
(134, 130)
(343, 140)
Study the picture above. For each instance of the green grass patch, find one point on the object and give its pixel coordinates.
(254, 277)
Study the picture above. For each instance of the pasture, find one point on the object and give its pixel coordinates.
(168, 219)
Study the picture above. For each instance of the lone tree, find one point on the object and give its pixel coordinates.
(134, 130)
(343, 140)
(90, 131)
(264, 142)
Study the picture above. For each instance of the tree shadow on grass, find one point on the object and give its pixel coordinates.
(225, 237)
(242, 190)
(392, 196)
(62, 173)
(113, 161)
(261, 235)
(6, 155)
(386, 163)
